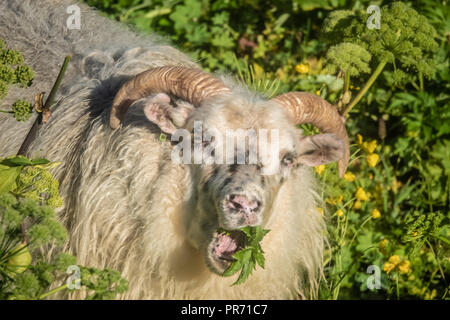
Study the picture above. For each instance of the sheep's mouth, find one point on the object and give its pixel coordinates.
(222, 247)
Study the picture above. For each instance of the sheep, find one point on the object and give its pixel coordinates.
(127, 204)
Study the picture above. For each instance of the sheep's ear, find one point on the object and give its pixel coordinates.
(320, 149)
(161, 112)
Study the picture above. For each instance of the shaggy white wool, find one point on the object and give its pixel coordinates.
(123, 197)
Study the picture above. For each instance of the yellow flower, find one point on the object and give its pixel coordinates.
(361, 195)
(369, 147)
(359, 139)
(320, 169)
(334, 201)
(349, 176)
(318, 93)
(394, 263)
(403, 266)
(376, 214)
(339, 213)
(357, 205)
(382, 246)
(430, 296)
(320, 210)
(391, 264)
(372, 159)
(396, 185)
(302, 68)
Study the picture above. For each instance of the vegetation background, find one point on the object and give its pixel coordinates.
(388, 219)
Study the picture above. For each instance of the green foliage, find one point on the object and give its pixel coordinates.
(13, 71)
(405, 39)
(250, 255)
(28, 194)
(350, 58)
(22, 110)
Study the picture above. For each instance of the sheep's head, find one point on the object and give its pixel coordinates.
(240, 148)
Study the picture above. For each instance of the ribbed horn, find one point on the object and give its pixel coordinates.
(189, 84)
(308, 108)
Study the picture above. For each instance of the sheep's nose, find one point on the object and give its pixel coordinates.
(239, 203)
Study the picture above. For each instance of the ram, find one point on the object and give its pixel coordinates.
(127, 204)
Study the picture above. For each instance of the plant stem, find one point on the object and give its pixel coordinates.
(420, 81)
(446, 241)
(366, 87)
(44, 295)
(51, 96)
(346, 81)
(359, 229)
(38, 122)
(396, 283)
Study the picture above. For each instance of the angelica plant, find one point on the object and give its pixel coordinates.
(28, 195)
(404, 41)
(13, 71)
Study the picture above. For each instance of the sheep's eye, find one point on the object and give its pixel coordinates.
(288, 160)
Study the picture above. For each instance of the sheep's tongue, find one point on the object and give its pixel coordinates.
(226, 245)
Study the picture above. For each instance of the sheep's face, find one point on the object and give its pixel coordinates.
(237, 189)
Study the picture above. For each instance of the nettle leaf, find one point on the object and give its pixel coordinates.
(235, 267)
(248, 257)
(245, 273)
(259, 257)
(247, 231)
(243, 255)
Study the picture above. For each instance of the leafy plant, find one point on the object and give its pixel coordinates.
(249, 256)
(28, 195)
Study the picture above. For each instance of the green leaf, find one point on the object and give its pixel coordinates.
(233, 268)
(259, 257)
(243, 255)
(245, 273)
(22, 161)
(8, 176)
(249, 256)
(247, 231)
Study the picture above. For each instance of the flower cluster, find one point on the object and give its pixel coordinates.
(369, 147)
(397, 264)
(13, 71)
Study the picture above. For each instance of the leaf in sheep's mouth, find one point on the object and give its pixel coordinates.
(246, 256)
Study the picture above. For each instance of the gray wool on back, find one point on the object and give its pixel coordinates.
(38, 29)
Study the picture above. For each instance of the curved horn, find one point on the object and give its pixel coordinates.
(188, 84)
(308, 108)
